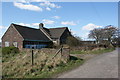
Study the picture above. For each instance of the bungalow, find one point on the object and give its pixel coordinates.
(26, 37)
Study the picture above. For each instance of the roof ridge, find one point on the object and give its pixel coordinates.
(24, 26)
(57, 28)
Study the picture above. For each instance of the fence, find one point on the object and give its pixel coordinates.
(63, 52)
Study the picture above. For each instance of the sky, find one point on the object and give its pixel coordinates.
(79, 17)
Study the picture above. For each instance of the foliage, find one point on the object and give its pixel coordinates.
(101, 34)
(9, 50)
(116, 38)
(95, 34)
(78, 38)
(72, 41)
(0, 52)
(109, 32)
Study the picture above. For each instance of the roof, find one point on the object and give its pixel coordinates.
(56, 32)
(36, 34)
(31, 33)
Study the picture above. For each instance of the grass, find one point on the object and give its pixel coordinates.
(97, 51)
(0, 49)
(0, 52)
(102, 51)
(6, 58)
(73, 63)
(19, 65)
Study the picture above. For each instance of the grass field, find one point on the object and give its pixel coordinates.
(19, 65)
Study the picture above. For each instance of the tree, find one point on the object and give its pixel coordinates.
(72, 41)
(79, 38)
(116, 38)
(109, 32)
(95, 34)
(101, 34)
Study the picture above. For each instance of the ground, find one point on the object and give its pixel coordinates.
(101, 66)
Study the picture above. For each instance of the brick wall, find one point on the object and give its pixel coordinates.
(11, 35)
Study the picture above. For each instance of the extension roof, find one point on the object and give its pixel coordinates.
(57, 32)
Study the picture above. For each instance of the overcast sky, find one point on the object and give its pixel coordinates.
(79, 17)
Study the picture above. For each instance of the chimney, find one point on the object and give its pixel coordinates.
(41, 25)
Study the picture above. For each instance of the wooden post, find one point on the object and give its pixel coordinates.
(61, 51)
(32, 57)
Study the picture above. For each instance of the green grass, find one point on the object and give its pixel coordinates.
(99, 51)
(0, 49)
(19, 66)
(72, 64)
(77, 52)
(0, 52)
(6, 58)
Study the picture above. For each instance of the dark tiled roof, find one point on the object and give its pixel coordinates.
(36, 34)
(31, 33)
(56, 32)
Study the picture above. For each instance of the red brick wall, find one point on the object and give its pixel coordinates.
(12, 35)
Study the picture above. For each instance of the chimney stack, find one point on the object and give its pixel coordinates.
(41, 25)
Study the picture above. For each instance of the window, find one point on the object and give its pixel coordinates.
(15, 44)
(6, 44)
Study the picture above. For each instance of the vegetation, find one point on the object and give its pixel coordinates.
(62, 67)
(94, 51)
(0, 52)
(73, 41)
(9, 50)
(101, 34)
(19, 65)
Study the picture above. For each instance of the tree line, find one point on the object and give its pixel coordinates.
(108, 34)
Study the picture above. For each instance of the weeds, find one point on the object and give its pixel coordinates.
(94, 51)
(19, 66)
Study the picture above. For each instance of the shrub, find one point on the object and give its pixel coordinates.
(72, 41)
(9, 50)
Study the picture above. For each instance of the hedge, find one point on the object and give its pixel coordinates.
(9, 50)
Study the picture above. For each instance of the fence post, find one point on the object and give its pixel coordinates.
(32, 57)
(61, 51)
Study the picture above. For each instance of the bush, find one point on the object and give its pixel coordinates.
(9, 50)
(72, 41)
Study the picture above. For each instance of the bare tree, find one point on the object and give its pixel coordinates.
(101, 34)
(109, 32)
(95, 34)
(116, 37)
